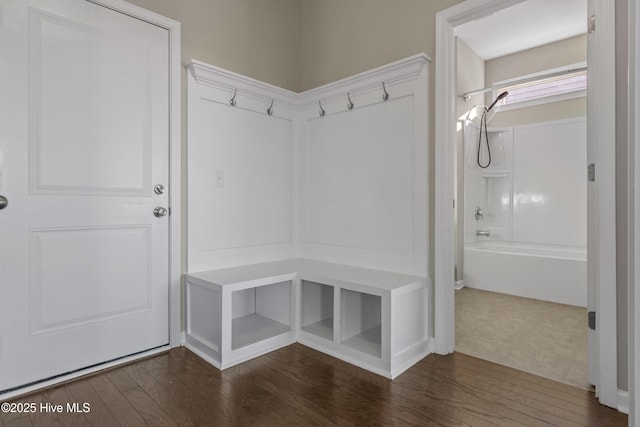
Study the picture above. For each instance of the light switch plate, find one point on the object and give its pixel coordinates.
(219, 179)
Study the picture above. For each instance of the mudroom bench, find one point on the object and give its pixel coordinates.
(373, 319)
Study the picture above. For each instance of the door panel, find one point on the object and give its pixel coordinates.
(77, 264)
(83, 140)
(90, 108)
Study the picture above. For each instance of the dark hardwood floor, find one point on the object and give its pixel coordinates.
(300, 386)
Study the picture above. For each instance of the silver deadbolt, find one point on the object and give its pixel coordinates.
(160, 211)
(158, 189)
(4, 202)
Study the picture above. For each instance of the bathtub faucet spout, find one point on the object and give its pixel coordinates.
(484, 233)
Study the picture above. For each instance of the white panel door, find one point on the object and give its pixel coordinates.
(83, 141)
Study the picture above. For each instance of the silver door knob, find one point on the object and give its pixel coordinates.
(4, 202)
(160, 212)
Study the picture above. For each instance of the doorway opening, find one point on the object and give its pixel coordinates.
(601, 212)
(521, 197)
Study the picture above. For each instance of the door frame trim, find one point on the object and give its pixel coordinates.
(445, 120)
(634, 208)
(444, 304)
(175, 114)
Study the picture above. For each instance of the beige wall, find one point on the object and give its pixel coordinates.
(344, 37)
(256, 38)
(565, 52)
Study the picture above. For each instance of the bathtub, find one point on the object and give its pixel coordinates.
(550, 273)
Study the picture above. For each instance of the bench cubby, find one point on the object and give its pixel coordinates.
(373, 319)
(316, 309)
(362, 322)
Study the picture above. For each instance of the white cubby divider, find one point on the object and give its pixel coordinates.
(309, 227)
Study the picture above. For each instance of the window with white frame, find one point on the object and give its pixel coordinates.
(550, 86)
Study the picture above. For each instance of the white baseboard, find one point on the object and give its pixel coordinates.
(459, 284)
(623, 401)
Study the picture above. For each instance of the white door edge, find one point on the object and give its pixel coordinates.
(601, 129)
(175, 70)
(444, 302)
(634, 207)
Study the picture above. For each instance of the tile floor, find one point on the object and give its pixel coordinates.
(540, 337)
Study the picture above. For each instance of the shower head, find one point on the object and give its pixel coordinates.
(502, 95)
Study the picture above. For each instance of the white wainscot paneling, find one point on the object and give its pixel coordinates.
(241, 197)
(252, 204)
(271, 178)
(550, 183)
(360, 178)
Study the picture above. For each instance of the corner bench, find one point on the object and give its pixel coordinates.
(377, 320)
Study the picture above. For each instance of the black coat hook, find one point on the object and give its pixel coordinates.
(232, 101)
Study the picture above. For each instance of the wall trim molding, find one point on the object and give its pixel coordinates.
(210, 75)
(392, 74)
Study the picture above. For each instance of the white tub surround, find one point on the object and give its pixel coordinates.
(532, 201)
(337, 174)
